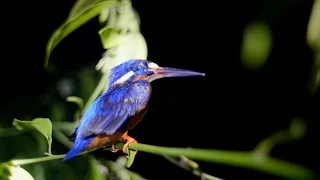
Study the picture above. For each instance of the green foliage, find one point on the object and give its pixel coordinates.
(110, 37)
(42, 125)
(80, 7)
(313, 40)
(313, 31)
(121, 37)
(77, 18)
(256, 47)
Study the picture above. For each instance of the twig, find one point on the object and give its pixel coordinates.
(35, 160)
(236, 158)
(197, 172)
(62, 138)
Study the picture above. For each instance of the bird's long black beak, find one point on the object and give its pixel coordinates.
(162, 72)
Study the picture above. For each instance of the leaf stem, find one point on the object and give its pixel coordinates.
(62, 138)
(36, 160)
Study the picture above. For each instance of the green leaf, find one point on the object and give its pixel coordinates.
(95, 171)
(110, 37)
(42, 125)
(74, 22)
(133, 46)
(313, 31)
(80, 6)
(76, 100)
(128, 18)
(256, 45)
(131, 156)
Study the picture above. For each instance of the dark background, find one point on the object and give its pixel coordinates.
(230, 108)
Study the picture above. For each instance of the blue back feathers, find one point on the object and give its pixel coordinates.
(79, 146)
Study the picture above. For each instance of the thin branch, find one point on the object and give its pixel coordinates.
(19, 162)
(236, 158)
(62, 138)
(195, 171)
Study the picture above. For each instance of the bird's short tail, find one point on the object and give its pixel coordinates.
(79, 146)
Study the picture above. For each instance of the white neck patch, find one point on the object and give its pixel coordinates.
(153, 65)
(124, 77)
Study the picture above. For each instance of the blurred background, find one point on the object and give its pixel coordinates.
(258, 69)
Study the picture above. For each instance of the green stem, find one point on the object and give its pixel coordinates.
(236, 158)
(35, 160)
(264, 147)
(62, 138)
(49, 146)
(96, 92)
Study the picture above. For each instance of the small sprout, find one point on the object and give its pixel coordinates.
(76, 100)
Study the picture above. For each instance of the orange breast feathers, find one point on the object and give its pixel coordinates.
(101, 139)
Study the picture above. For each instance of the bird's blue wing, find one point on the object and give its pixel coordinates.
(108, 112)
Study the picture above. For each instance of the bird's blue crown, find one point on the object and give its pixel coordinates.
(128, 70)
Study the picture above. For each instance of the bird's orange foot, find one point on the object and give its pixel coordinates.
(129, 140)
(113, 149)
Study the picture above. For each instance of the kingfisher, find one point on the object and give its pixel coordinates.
(119, 109)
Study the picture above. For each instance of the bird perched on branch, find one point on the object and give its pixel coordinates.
(121, 107)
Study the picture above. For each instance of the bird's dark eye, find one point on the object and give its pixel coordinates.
(144, 64)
